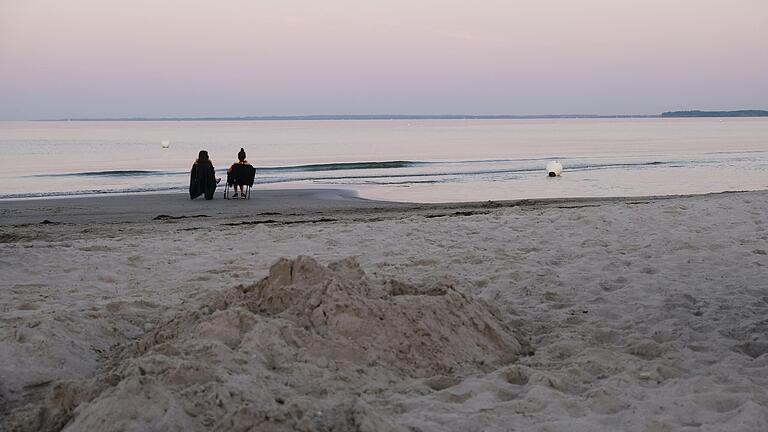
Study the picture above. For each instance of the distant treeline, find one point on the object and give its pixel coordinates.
(696, 113)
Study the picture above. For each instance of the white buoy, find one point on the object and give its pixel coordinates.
(165, 144)
(554, 168)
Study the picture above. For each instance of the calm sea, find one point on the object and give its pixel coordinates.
(419, 160)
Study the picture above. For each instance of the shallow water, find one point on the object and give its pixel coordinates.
(410, 160)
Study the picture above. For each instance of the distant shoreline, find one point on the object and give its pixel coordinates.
(697, 113)
(668, 114)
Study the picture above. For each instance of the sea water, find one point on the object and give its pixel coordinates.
(403, 160)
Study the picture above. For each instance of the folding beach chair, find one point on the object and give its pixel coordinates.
(241, 175)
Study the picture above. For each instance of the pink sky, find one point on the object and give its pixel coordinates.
(110, 58)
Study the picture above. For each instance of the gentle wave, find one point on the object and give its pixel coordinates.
(112, 173)
(351, 166)
(90, 192)
(409, 164)
(445, 174)
(291, 168)
(440, 172)
(344, 166)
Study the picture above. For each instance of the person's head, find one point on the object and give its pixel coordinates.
(241, 155)
(202, 157)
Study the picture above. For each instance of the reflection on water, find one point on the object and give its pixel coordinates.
(433, 160)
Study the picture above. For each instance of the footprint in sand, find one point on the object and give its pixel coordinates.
(606, 401)
(614, 285)
(646, 349)
(717, 402)
(649, 270)
(106, 278)
(456, 398)
(516, 375)
(441, 382)
(96, 248)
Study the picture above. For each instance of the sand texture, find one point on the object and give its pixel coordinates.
(346, 315)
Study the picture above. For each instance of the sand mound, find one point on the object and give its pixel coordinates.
(307, 348)
(419, 332)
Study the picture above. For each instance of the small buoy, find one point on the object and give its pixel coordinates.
(165, 144)
(554, 168)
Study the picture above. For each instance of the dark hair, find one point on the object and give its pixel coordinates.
(241, 155)
(202, 157)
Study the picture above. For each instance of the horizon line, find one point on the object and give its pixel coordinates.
(353, 117)
(683, 113)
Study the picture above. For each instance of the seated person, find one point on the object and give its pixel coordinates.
(231, 180)
(202, 178)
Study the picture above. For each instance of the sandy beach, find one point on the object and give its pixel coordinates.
(314, 310)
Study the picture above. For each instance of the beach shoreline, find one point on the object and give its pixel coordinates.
(154, 311)
(144, 207)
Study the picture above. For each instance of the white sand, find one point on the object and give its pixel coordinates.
(581, 315)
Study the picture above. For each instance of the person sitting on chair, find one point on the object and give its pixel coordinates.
(230, 177)
(202, 178)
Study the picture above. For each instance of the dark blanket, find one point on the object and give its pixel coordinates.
(202, 180)
(241, 174)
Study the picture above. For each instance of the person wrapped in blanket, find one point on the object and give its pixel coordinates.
(202, 178)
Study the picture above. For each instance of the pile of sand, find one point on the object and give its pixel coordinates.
(307, 348)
